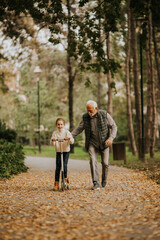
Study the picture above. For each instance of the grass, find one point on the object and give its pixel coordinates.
(48, 151)
(151, 168)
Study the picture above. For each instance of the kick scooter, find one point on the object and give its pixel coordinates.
(63, 184)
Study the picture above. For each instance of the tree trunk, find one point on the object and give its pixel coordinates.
(70, 92)
(149, 97)
(108, 53)
(129, 105)
(99, 90)
(156, 55)
(32, 143)
(136, 86)
(69, 68)
(110, 100)
(153, 92)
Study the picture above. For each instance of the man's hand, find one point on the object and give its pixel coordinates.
(108, 142)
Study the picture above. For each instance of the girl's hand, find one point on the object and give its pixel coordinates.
(67, 138)
(53, 139)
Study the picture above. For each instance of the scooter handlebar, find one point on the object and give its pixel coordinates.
(61, 139)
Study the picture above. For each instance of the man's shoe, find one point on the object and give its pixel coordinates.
(95, 187)
(104, 183)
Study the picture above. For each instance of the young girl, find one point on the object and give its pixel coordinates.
(61, 133)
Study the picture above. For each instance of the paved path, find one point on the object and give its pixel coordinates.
(127, 209)
(45, 164)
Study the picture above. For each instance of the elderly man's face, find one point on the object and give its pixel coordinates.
(91, 110)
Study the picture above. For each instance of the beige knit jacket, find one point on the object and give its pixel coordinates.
(61, 135)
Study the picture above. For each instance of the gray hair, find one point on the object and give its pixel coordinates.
(92, 103)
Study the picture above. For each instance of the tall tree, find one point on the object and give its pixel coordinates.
(136, 84)
(156, 53)
(127, 76)
(149, 97)
(155, 7)
(110, 100)
(99, 76)
(70, 46)
(153, 94)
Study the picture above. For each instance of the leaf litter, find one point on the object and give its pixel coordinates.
(128, 208)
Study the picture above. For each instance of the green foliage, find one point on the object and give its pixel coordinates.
(155, 14)
(113, 86)
(13, 24)
(97, 22)
(7, 134)
(83, 2)
(11, 153)
(88, 82)
(11, 159)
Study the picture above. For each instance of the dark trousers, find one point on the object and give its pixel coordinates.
(58, 164)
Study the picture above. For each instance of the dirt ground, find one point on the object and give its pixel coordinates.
(128, 208)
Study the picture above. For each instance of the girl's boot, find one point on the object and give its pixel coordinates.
(56, 186)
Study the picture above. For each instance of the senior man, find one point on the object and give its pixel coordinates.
(98, 138)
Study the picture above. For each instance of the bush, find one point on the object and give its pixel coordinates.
(8, 134)
(11, 159)
(11, 153)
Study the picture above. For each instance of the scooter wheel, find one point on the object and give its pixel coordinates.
(62, 186)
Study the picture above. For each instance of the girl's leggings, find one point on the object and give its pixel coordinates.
(58, 164)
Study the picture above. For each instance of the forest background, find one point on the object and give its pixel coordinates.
(104, 50)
